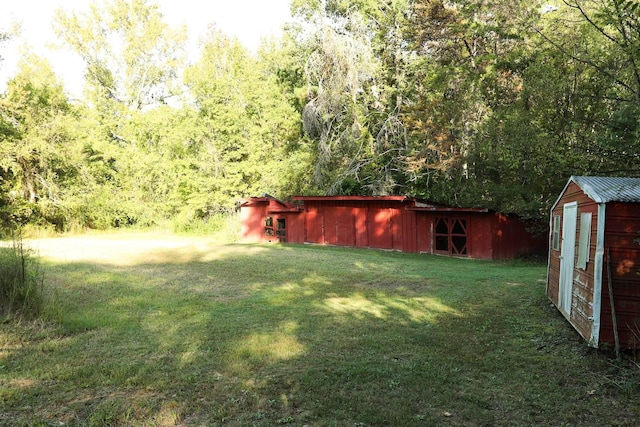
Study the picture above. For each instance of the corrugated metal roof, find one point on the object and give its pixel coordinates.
(609, 189)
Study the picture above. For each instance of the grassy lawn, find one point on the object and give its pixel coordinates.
(244, 335)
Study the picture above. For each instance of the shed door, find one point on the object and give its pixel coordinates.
(567, 256)
(275, 229)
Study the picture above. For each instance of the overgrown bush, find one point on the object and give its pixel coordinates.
(21, 281)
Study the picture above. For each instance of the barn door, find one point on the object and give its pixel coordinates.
(567, 256)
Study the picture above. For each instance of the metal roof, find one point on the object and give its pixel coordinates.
(609, 189)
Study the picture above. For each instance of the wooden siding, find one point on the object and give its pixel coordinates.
(424, 233)
(361, 223)
(252, 213)
(393, 223)
(511, 238)
(622, 236)
(581, 313)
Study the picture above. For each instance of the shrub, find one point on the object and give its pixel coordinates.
(21, 281)
(224, 227)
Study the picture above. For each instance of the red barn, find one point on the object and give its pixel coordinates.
(267, 219)
(594, 245)
(388, 222)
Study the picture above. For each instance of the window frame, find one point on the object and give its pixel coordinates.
(555, 242)
(269, 230)
(584, 240)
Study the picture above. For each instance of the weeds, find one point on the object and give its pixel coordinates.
(21, 281)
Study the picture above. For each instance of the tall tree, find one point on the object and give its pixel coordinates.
(36, 148)
(133, 64)
(246, 125)
(608, 50)
(131, 55)
(355, 95)
(462, 76)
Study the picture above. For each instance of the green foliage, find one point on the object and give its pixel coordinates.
(221, 227)
(132, 55)
(247, 127)
(355, 83)
(36, 154)
(491, 104)
(21, 281)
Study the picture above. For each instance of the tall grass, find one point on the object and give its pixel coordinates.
(21, 281)
(220, 227)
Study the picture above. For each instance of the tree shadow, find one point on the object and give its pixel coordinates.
(266, 335)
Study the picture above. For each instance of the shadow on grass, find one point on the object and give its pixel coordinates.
(274, 335)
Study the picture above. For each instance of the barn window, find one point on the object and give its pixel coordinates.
(459, 237)
(451, 236)
(556, 232)
(268, 226)
(584, 240)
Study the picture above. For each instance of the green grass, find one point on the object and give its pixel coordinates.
(244, 335)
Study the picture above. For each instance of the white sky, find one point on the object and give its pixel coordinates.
(249, 20)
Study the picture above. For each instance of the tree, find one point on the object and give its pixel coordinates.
(36, 149)
(609, 52)
(355, 86)
(132, 56)
(246, 127)
(133, 63)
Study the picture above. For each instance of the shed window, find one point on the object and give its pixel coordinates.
(281, 230)
(451, 236)
(268, 226)
(556, 233)
(584, 240)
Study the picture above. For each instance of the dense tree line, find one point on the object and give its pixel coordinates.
(489, 103)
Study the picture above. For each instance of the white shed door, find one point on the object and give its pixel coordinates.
(567, 256)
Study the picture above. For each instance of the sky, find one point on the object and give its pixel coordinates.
(249, 20)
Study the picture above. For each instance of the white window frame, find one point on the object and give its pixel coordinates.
(584, 240)
(556, 233)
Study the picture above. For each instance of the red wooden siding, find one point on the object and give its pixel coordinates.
(424, 225)
(513, 237)
(393, 222)
(252, 215)
(621, 240)
(265, 219)
(378, 230)
(314, 223)
(362, 223)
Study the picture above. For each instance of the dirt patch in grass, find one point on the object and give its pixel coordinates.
(120, 249)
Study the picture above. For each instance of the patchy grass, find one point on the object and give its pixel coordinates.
(244, 335)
